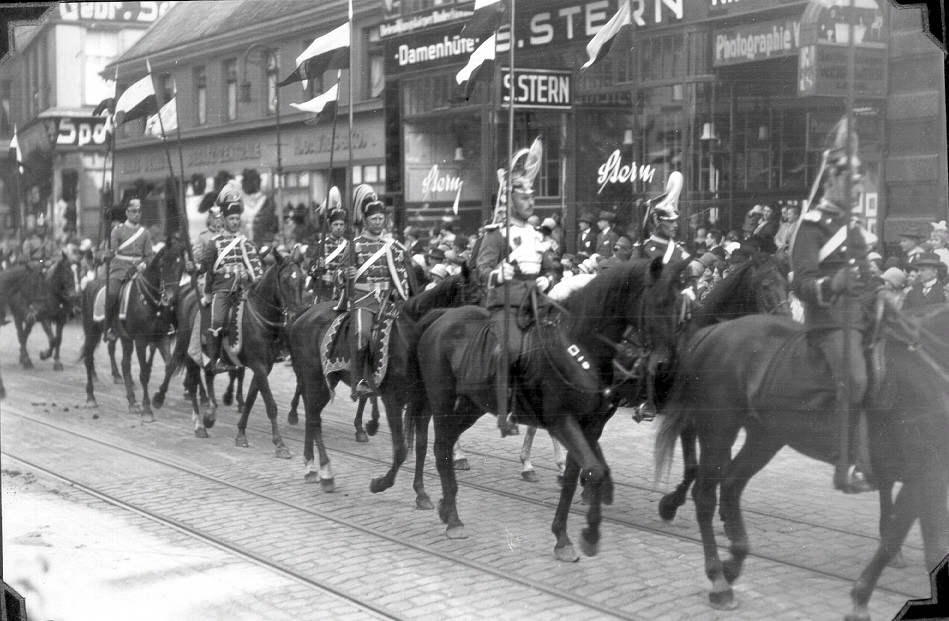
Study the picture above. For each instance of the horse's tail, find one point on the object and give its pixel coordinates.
(676, 417)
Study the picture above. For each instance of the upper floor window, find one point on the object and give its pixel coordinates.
(167, 86)
(272, 79)
(230, 89)
(200, 95)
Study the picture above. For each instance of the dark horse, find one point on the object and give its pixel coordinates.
(558, 383)
(50, 299)
(723, 386)
(269, 306)
(306, 335)
(152, 297)
(13, 281)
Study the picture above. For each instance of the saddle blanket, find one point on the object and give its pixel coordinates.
(233, 334)
(98, 308)
(336, 346)
(795, 380)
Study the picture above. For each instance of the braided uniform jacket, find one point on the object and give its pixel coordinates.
(387, 272)
(224, 261)
(332, 260)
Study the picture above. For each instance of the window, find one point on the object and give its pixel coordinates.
(272, 80)
(230, 89)
(6, 126)
(200, 96)
(377, 78)
(167, 86)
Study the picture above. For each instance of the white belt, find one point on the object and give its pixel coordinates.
(125, 257)
(371, 286)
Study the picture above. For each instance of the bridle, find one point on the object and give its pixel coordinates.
(281, 306)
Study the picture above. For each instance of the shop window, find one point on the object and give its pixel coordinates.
(527, 127)
(439, 92)
(167, 86)
(230, 89)
(442, 159)
(200, 96)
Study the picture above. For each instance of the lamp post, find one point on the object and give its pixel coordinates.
(269, 54)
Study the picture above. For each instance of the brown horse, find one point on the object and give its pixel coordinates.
(723, 385)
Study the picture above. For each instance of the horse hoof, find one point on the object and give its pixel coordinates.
(857, 617)
(566, 554)
(293, 418)
(378, 485)
(361, 436)
(667, 509)
(311, 477)
(117, 379)
(204, 401)
(44, 355)
(58, 366)
(328, 485)
(227, 399)
(461, 464)
(372, 427)
(241, 442)
(530, 476)
(424, 503)
(209, 421)
(27, 364)
(897, 562)
(456, 532)
(201, 432)
(135, 408)
(723, 600)
(589, 548)
(282, 452)
(91, 403)
(158, 399)
(148, 417)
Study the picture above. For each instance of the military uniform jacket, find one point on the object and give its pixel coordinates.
(334, 258)
(132, 244)
(225, 258)
(38, 251)
(821, 248)
(201, 243)
(528, 252)
(381, 266)
(656, 246)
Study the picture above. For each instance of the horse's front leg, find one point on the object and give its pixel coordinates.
(373, 425)
(712, 464)
(293, 416)
(127, 346)
(146, 356)
(60, 324)
(212, 401)
(280, 449)
(357, 422)
(447, 431)
(23, 329)
(88, 360)
(563, 549)
(241, 439)
(459, 459)
(117, 377)
(886, 514)
(47, 326)
(315, 397)
(417, 418)
(393, 407)
(192, 379)
(527, 468)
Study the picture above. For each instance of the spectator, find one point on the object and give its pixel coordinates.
(939, 238)
(909, 248)
(713, 239)
(607, 237)
(762, 237)
(927, 290)
(894, 286)
(586, 238)
(789, 217)
(435, 275)
(700, 242)
(752, 219)
(547, 228)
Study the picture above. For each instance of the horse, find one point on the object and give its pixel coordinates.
(317, 384)
(362, 432)
(152, 296)
(723, 386)
(12, 281)
(48, 298)
(565, 382)
(270, 304)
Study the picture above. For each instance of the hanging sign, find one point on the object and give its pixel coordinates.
(537, 88)
(757, 41)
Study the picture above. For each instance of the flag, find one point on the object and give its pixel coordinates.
(15, 146)
(480, 63)
(325, 103)
(331, 51)
(599, 46)
(486, 19)
(136, 102)
(106, 105)
(169, 120)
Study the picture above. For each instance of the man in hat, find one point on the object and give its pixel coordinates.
(909, 247)
(380, 274)
(927, 289)
(324, 269)
(622, 252)
(39, 249)
(527, 264)
(131, 250)
(606, 238)
(586, 238)
(831, 275)
(230, 263)
(662, 221)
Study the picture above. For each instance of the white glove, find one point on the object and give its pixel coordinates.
(205, 301)
(504, 272)
(542, 283)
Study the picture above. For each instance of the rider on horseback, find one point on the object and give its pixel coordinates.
(831, 274)
(39, 249)
(133, 247)
(376, 267)
(230, 262)
(526, 265)
(324, 268)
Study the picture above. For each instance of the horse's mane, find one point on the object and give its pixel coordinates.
(609, 293)
(726, 294)
(439, 296)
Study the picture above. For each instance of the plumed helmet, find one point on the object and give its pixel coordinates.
(230, 200)
(331, 204)
(666, 205)
(337, 215)
(366, 202)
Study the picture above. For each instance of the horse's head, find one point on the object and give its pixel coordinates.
(770, 287)
(664, 311)
(170, 266)
(290, 279)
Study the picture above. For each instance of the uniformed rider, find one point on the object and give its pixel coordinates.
(324, 269)
(377, 268)
(831, 277)
(131, 250)
(663, 223)
(230, 263)
(39, 249)
(526, 264)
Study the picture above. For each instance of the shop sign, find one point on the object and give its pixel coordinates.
(822, 71)
(136, 12)
(397, 26)
(733, 7)
(757, 41)
(614, 171)
(537, 88)
(433, 49)
(436, 183)
(79, 132)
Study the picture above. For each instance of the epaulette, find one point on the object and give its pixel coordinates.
(814, 215)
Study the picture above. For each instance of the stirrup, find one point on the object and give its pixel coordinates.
(645, 411)
(508, 426)
(362, 389)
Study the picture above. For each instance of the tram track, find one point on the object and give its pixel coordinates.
(425, 550)
(335, 448)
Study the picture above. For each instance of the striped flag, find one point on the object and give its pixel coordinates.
(599, 46)
(331, 51)
(15, 146)
(481, 63)
(136, 102)
(486, 19)
(325, 103)
(169, 120)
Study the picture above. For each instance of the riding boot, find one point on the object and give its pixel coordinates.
(217, 364)
(109, 336)
(844, 479)
(646, 411)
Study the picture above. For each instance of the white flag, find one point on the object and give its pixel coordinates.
(15, 144)
(169, 120)
(326, 101)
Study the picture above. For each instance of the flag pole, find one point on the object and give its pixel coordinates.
(164, 142)
(321, 218)
(21, 237)
(350, 233)
(503, 365)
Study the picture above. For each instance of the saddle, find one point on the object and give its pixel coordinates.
(336, 346)
(98, 308)
(232, 334)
